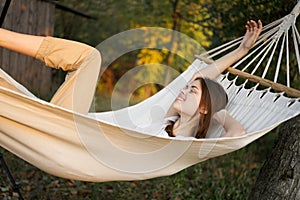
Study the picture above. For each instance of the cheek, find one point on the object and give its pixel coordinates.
(177, 105)
(181, 107)
(192, 106)
(189, 106)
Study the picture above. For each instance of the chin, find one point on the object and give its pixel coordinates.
(177, 107)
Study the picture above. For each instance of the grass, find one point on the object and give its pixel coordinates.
(227, 177)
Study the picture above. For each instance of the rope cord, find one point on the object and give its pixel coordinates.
(296, 38)
(287, 60)
(270, 59)
(270, 56)
(279, 60)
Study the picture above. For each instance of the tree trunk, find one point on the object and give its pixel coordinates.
(279, 177)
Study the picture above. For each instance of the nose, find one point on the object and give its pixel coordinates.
(182, 95)
(185, 89)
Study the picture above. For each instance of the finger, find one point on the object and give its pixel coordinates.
(260, 25)
(247, 28)
(253, 25)
(249, 24)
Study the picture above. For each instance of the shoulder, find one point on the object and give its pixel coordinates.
(220, 116)
(171, 118)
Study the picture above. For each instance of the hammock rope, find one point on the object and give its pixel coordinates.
(275, 38)
(122, 144)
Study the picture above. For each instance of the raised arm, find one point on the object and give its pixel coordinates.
(18, 42)
(231, 126)
(214, 69)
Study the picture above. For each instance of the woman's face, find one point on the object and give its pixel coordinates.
(187, 102)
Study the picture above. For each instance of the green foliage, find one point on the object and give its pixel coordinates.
(209, 22)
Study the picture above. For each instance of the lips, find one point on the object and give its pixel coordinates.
(180, 97)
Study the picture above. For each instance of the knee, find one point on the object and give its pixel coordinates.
(93, 59)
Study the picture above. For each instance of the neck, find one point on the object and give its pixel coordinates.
(185, 126)
(182, 120)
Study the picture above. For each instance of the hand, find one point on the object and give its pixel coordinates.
(253, 30)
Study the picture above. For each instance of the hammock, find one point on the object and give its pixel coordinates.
(111, 146)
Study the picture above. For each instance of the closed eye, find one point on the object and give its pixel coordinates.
(194, 89)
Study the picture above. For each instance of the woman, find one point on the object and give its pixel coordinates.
(194, 107)
(203, 99)
(83, 65)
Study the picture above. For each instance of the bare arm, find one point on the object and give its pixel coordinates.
(214, 69)
(18, 42)
(231, 126)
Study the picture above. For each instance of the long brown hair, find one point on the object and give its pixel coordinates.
(205, 112)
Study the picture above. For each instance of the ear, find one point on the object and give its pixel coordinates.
(203, 111)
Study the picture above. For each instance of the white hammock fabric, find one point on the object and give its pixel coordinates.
(112, 146)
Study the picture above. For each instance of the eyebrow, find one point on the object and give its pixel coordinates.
(195, 86)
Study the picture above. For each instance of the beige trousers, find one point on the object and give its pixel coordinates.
(83, 65)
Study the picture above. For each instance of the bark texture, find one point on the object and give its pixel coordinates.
(279, 177)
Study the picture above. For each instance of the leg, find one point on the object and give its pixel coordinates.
(82, 61)
(77, 92)
(18, 42)
(22, 43)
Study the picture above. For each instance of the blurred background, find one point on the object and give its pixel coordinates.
(209, 22)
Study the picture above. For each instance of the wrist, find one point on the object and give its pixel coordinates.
(241, 52)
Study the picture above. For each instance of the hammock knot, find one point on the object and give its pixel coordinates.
(285, 25)
(296, 10)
